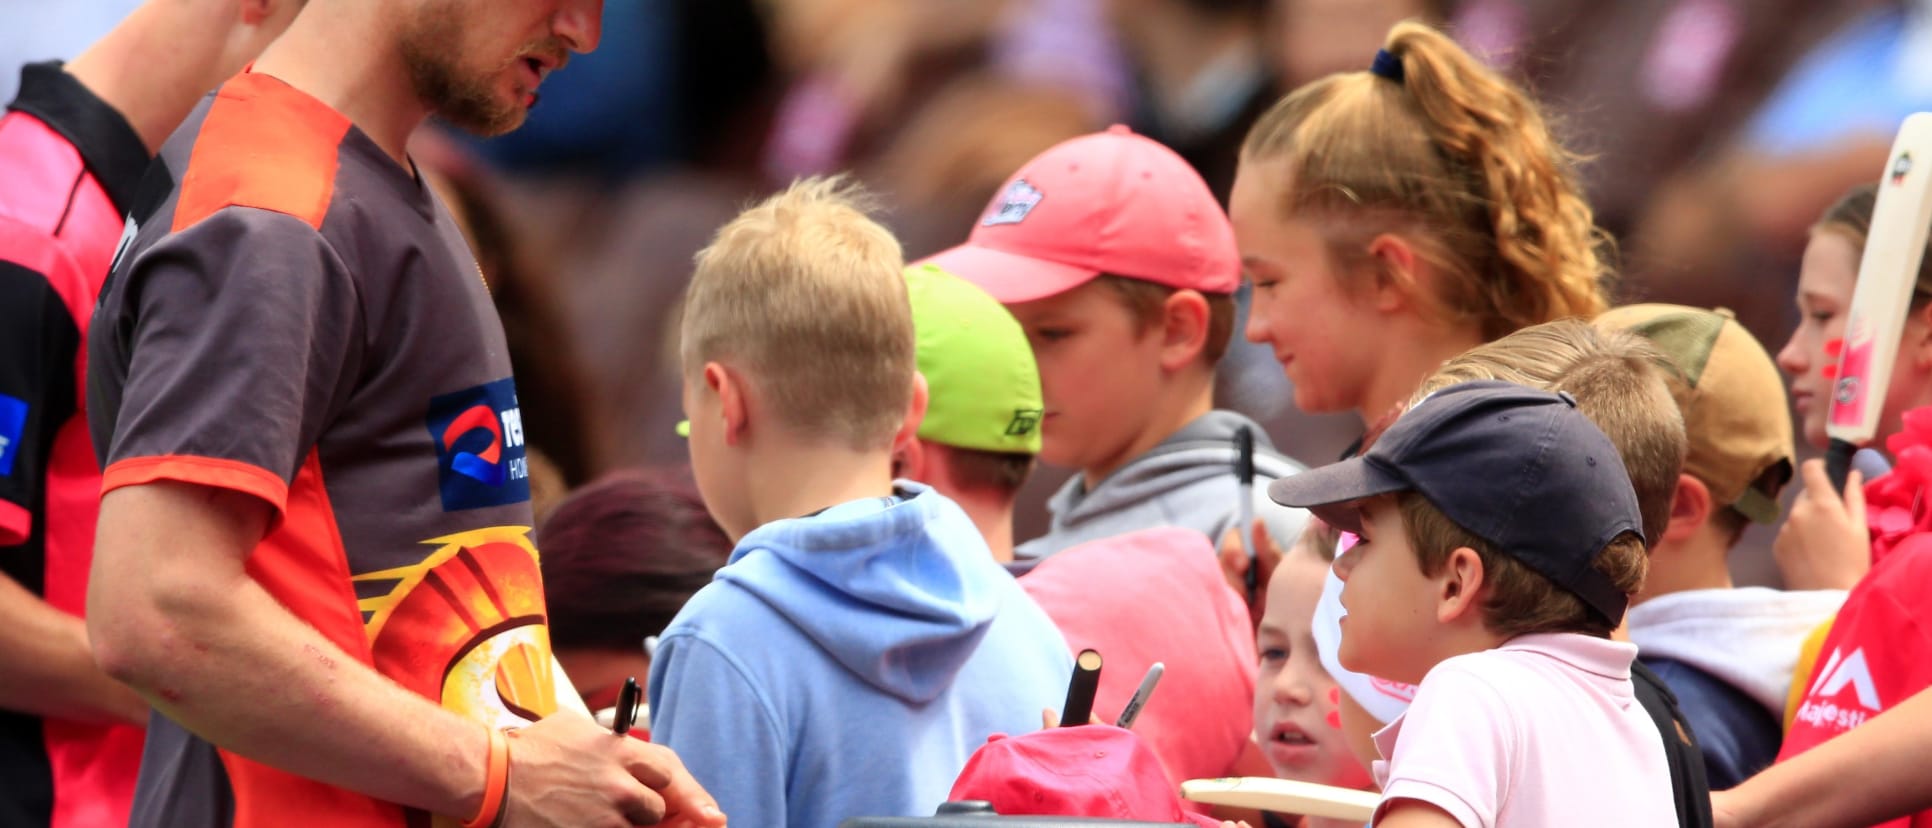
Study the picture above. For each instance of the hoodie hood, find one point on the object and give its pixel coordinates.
(1747, 637)
(914, 564)
(1187, 480)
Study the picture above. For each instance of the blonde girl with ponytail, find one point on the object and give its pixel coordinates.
(1394, 217)
(1390, 219)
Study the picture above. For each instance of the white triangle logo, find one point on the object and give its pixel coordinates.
(1850, 670)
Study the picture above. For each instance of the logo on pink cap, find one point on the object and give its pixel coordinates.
(1012, 206)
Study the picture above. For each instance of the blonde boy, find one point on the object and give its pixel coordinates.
(1122, 267)
(861, 642)
(1500, 545)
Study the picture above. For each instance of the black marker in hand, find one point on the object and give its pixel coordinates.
(626, 707)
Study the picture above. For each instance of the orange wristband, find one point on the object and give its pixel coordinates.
(496, 782)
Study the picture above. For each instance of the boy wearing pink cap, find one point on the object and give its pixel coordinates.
(1122, 267)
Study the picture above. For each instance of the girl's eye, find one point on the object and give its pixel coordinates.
(1273, 654)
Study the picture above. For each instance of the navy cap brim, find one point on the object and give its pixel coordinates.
(1331, 491)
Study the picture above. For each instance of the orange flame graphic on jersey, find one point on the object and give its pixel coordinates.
(465, 627)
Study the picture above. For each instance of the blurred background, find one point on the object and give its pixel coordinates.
(1717, 130)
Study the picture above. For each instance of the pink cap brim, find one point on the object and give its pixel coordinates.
(1010, 277)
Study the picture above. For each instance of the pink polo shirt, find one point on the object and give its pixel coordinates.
(1543, 730)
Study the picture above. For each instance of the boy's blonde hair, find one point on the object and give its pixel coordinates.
(1621, 383)
(803, 294)
(1454, 159)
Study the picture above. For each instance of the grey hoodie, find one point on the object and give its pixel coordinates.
(1187, 481)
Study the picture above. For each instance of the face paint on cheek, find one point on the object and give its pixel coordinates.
(1334, 715)
(1833, 348)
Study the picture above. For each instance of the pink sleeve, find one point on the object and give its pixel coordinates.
(1456, 742)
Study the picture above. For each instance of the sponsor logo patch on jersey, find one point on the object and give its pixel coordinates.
(478, 433)
(13, 424)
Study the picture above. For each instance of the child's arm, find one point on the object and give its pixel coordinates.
(1414, 813)
(1872, 773)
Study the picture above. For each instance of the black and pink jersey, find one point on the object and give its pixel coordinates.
(69, 165)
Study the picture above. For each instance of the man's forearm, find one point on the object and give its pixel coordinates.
(240, 671)
(50, 668)
(172, 612)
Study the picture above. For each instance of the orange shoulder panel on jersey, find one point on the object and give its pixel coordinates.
(263, 144)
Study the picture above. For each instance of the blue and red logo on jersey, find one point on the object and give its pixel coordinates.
(478, 434)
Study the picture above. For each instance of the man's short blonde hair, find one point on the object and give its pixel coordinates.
(802, 295)
(1620, 381)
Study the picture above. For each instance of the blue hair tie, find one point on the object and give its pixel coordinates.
(1386, 66)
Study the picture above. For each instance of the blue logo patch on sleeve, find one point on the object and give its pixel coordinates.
(13, 424)
(478, 433)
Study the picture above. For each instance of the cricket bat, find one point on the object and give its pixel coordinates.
(1886, 276)
(1284, 796)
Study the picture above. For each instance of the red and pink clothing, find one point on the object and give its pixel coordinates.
(71, 165)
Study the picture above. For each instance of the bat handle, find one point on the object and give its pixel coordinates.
(1838, 463)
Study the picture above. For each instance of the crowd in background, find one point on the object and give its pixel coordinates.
(1716, 132)
(1712, 135)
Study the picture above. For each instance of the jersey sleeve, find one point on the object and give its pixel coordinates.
(38, 343)
(1456, 740)
(707, 710)
(243, 333)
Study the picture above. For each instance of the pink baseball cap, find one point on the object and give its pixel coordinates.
(1110, 202)
(1090, 771)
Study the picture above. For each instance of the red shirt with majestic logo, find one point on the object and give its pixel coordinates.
(1879, 650)
(69, 163)
(1879, 653)
(300, 320)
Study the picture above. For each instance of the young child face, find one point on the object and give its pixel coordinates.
(1099, 373)
(1324, 337)
(1825, 283)
(1295, 718)
(1390, 603)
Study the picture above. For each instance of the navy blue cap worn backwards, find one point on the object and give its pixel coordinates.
(1519, 468)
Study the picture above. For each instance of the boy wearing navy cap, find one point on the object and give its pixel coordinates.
(1500, 544)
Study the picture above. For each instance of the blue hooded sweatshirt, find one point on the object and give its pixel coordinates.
(848, 663)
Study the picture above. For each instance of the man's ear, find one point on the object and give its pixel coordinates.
(1398, 272)
(1184, 328)
(1690, 509)
(1460, 585)
(733, 405)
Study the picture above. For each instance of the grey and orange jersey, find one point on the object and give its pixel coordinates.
(300, 320)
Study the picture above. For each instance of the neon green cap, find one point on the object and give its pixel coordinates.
(983, 386)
